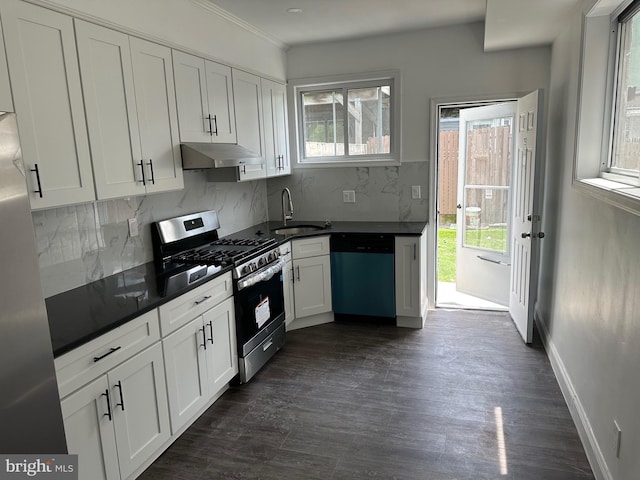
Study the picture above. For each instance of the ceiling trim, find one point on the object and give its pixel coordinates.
(216, 10)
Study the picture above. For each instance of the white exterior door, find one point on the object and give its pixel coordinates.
(483, 214)
(525, 231)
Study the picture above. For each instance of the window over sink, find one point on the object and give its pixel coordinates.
(348, 120)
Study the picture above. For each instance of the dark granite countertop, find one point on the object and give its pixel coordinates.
(84, 313)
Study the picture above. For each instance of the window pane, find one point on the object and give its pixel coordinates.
(369, 120)
(626, 154)
(323, 124)
(486, 218)
(489, 152)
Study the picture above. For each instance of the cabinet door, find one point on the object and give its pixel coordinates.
(185, 364)
(157, 115)
(312, 289)
(109, 95)
(220, 97)
(141, 414)
(43, 66)
(247, 96)
(222, 354)
(275, 127)
(88, 426)
(191, 96)
(408, 276)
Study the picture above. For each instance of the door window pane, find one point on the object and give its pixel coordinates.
(487, 178)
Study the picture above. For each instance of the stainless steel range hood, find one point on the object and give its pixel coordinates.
(217, 155)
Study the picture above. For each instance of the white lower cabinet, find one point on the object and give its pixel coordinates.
(116, 422)
(287, 283)
(140, 409)
(88, 424)
(411, 281)
(311, 276)
(200, 359)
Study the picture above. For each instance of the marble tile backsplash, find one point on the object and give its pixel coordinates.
(382, 193)
(83, 243)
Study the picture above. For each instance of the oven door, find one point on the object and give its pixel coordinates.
(259, 303)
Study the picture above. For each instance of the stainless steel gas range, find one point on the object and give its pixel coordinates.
(188, 250)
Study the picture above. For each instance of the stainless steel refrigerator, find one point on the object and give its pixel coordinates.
(30, 415)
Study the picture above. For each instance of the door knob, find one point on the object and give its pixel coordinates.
(535, 235)
(526, 235)
(458, 206)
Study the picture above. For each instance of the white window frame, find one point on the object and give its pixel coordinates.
(596, 103)
(353, 81)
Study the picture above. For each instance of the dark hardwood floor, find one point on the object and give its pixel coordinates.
(463, 398)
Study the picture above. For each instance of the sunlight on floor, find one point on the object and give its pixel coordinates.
(502, 451)
(448, 297)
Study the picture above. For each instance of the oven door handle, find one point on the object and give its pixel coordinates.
(262, 275)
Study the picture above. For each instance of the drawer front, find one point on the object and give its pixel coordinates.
(310, 247)
(87, 362)
(285, 251)
(185, 308)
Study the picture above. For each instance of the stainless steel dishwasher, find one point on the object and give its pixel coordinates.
(362, 276)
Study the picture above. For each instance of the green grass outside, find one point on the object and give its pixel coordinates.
(490, 238)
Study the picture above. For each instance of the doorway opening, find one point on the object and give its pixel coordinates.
(472, 203)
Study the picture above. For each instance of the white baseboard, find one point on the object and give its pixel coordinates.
(578, 414)
(311, 321)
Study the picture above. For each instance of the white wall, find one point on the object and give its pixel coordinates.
(589, 286)
(434, 63)
(185, 23)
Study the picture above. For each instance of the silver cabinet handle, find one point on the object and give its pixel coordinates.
(37, 172)
(202, 300)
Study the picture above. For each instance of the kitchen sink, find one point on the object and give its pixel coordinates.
(297, 229)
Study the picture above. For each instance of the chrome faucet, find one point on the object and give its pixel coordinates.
(286, 216)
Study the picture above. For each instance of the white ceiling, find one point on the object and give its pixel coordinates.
(509, 23)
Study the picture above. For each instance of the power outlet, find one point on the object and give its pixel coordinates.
(349, 196)
(617, 437)
(415, 192)
(133, 227)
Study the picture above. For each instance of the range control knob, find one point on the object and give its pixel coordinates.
(262, 261)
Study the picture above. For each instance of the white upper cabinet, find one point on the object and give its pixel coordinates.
(6, 103)
(131, 112)
(47, 95)
(109, 96)
(204, 94)
(157, 115)
(276, 139)
(247, 96)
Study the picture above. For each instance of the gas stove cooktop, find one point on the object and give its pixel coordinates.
(187, 250)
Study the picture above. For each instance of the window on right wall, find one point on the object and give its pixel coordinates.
(624, 159)
(607, 162)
